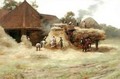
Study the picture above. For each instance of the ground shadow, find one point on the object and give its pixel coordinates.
(102, 49)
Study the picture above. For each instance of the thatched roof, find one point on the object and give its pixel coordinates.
(89, 23)
(22, 17)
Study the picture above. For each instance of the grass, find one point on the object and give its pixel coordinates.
(58, 64)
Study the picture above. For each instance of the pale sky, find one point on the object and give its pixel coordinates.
(104, 11)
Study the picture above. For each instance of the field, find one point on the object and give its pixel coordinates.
(27, 63)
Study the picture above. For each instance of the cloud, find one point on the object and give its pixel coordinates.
(91, 9)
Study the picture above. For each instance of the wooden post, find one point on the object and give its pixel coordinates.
(96, 43)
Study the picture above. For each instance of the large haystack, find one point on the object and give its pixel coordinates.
(93, 34)
(100, 34)
(58, 32)
(89, 23)
(6, 40)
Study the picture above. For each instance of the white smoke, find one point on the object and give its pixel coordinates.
(91, 9)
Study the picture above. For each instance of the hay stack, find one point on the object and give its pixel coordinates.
(6, 40)
(100, 34)
(90, 23)
(92, 33)
(26, 42)
(58, 32)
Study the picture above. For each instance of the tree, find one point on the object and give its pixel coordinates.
(110, 31)
(70, 14)
(69, 17)
(10, 4)
(34, 5)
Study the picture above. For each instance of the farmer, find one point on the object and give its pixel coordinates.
(82, 42)
(61, 42)
(53, 42)
(38, 46)
(86, 45)
(28, 38)
(84, 24)
(70, 36)
(43, 42)
(70, 23)
(89, 42)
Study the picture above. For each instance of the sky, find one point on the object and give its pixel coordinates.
(103, 11)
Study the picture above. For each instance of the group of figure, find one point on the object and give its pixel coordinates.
(41, 45)
(53, 42)
(85, 43)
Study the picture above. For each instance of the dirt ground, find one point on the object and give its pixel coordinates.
(21, 62)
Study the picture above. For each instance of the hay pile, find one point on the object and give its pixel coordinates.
(26, 42)
(6, 40)
(58, 32)
(90, 23)
(100, 34)
(93, 34)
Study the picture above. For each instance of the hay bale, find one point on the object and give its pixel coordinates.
(58, 32)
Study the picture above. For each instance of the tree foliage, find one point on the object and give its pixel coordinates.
(69, 17)
(11, 4)
(110, 31)
(34, 4)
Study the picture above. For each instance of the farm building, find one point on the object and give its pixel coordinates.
(3, 12)
(25, 20)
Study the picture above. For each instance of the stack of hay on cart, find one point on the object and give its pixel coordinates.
(91, 33)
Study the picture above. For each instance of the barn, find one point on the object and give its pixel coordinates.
(25, 20)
